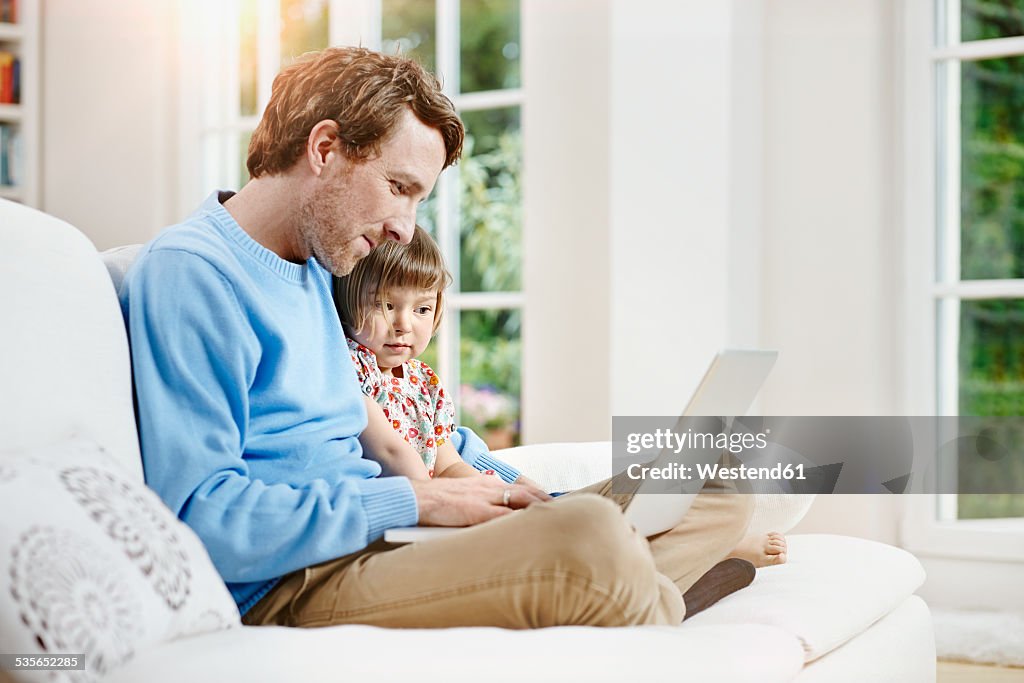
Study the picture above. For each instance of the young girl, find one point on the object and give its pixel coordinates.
(390, 306)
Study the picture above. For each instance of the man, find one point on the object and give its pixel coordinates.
(249, 410)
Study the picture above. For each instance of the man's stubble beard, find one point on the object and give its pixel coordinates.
(319, 228)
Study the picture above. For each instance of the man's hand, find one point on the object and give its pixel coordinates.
(530, 484)
(470, 500)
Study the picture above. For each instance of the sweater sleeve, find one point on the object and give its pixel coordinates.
(474, 451)
(194, 358)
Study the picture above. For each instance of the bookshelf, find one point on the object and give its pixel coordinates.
(20, 138)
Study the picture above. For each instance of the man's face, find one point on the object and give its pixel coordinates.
(356, 205)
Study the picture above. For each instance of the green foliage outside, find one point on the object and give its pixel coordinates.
(490, 344)
(490, 203)
(991, 353)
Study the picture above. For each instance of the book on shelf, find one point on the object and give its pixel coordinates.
(10, 155)
(10, 78)
(8, 11)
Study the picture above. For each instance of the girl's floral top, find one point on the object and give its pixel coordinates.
(417, 405)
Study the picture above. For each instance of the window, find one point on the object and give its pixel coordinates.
(975, 57)
(980, 231)
(475, 213)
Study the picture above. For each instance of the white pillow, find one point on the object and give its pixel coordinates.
(92, 562)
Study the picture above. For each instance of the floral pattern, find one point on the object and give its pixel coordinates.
(133, 519)
(73, 599)
(416, 403)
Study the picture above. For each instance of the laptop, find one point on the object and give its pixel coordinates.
(729, 386)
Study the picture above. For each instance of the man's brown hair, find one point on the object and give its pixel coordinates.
(364, 92)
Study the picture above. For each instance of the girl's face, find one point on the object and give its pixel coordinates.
(400, 327)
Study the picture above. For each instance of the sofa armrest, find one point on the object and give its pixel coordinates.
(562, 466)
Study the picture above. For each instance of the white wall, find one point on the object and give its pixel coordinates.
(831, 289)
(642, 204)
(567, 320)
(750, 189)
(670, 197)
(109, 77)
(831, 254)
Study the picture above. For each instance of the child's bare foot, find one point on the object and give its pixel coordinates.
(761, 550)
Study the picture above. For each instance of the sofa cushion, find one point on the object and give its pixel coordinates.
(897, 648)
(92, 562)
(118, 260)
(831, 589)
(270, 654)
(64, 364)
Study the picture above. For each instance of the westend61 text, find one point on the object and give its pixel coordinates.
(705, 471)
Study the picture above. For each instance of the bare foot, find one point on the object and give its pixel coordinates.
(761, 550)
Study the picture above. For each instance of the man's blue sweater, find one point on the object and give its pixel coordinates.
(249, 409)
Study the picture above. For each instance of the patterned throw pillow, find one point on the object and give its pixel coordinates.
(92, 562)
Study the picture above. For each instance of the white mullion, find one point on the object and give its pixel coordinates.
(949, 153)
(213, 90)
(948, 309)
(980, 289)
(976, 50)
(447, 60)
(948, 332)
(230, 107)
(484, 301)
(241, 124)
(489, 99)
(952, 22)
(355, 23)
(268, 50)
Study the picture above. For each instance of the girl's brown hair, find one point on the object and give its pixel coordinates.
(390, 266)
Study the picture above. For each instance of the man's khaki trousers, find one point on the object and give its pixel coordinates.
(574, 560)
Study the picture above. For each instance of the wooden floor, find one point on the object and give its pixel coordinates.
(955, 672)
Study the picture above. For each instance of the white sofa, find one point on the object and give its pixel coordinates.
(73, 506)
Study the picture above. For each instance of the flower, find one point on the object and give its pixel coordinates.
(488, 408)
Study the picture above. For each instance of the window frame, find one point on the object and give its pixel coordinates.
(448, 64)
(211, 121)
(929, 526)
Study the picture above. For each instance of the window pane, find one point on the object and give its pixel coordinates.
(248, 59)
(426, 215)
(490, 352)
(243, 154)
(407, 28)
(991, 359)
(982, 19)
(303, 28)
(489, 50)
(491, 206)
(992, 185)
